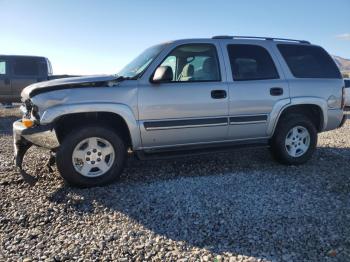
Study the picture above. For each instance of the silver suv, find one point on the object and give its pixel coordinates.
(185, 97)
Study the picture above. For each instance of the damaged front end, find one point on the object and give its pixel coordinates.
(34, 128)
(25, 135)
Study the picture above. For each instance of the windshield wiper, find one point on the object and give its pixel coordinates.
(122, 78)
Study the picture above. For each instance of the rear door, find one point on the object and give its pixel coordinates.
(5, 83)
(256, 84)
(25, 71)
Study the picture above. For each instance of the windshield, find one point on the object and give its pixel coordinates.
(137, 66)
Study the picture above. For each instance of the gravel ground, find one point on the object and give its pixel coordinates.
(237, 206)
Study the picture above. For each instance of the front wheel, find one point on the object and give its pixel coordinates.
(91, 156)
(294, 141)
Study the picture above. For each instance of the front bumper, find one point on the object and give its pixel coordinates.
(24, 138)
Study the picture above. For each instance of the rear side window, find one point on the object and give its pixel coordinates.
(2, 67)
(251, 62)
(26, 67)
(309, 61)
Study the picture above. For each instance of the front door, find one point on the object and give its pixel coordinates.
(193, 107)
(5, 83)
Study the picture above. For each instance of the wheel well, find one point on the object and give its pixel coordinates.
(66, 123)
(313, 112)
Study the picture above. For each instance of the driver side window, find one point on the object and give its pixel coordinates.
(193, 63)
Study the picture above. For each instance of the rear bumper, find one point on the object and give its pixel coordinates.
(24, 138)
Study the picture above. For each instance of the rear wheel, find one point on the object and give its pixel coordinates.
(91, 156)
(295, 140)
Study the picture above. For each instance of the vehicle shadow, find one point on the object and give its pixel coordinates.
(239, 202)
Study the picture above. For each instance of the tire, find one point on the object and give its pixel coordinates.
(288, 144)
(102, 168)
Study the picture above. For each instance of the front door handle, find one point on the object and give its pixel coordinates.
(218, 94)
(276, 91)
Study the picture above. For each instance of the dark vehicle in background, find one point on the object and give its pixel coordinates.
(17, 72)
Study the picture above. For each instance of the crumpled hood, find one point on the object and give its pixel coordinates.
(68, 83)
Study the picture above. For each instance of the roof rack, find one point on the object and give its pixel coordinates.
(260, 38)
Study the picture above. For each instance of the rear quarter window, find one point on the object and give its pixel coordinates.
(306, 61)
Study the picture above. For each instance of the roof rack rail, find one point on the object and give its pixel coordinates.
(260, 38)
(222, 37)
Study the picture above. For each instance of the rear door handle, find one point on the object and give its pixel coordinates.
(276, 91)
(218, 94)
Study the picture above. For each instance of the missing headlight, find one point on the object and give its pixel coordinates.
(30, 110)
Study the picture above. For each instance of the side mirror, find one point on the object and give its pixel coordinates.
(163, 74)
